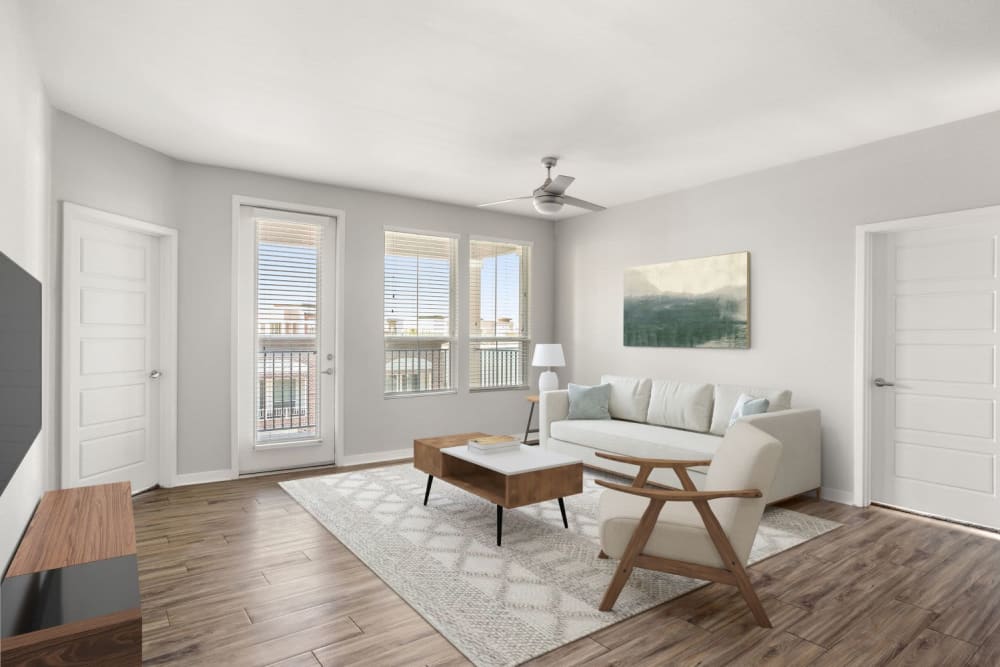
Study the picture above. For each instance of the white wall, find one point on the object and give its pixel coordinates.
(25, 238)
(798, 223)
(94, 167)
(372, 423)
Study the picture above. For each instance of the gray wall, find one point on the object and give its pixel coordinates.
(25, 237)
(798, 223)
(96, 168)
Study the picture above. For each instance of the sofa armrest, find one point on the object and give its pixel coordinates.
(553, 406)
(800, 469)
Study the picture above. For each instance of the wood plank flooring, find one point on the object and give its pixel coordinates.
(236, 573)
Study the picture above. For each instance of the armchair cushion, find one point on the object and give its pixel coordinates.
(679, 533)
(747, 459)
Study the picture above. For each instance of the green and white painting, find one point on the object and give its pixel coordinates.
(702, 302)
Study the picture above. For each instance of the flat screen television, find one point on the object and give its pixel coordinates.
(20, 365)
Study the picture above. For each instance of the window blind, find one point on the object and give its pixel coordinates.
(287, 277)
(418, 308)
(498, 314)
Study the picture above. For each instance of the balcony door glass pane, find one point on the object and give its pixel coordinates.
(287, 330)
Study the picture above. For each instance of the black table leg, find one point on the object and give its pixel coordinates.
(562, 508)
(427, 493)
(527, 428)
(499, 523)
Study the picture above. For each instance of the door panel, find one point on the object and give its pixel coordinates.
(111, 310)
(934, 439)
(948, 467)
(970, 364)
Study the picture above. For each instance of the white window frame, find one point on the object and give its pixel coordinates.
(526, 339)
(452, 338)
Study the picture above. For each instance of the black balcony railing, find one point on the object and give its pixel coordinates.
(287, 390)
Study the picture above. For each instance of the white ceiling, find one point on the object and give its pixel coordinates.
(457, 100)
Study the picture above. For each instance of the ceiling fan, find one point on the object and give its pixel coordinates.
(550, 196)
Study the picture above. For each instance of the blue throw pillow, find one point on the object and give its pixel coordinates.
(589, 402)
(748, 405)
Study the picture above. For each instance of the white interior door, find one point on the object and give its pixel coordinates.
(285, 339)
(934, 419)
(112, 309)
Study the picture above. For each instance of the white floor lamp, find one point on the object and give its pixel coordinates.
(548, 355)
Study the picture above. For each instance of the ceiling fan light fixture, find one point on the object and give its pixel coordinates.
(548, 204)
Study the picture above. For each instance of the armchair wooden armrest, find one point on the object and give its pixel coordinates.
(689, 496)
(653, 463)
(646, 467)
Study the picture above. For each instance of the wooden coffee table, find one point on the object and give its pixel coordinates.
(511, 479)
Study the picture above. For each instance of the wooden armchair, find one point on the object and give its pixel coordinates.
(704, 534)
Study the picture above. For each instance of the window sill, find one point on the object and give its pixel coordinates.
(478, 390)
(418, 394)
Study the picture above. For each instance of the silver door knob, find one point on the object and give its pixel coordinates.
(881, 382)
(155, 375)
(328, 371)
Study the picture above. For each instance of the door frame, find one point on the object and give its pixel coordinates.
(864, 324)
(240, 338)
(168, 237)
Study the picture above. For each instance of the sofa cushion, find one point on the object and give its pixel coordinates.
(680, 405)
(629, 397)
(588, 402)
(632, 439)
(726, 396)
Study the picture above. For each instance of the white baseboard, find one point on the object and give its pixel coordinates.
(205, 477)
(375, 457)
(837, 495)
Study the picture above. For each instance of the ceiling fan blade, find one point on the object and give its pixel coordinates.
(504, 201)
(559, 185)
(573, 201)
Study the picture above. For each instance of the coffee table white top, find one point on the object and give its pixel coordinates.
(513, 461)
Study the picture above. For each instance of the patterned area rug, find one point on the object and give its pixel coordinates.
(499, 605)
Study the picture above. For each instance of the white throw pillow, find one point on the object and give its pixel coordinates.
(629, 397)
(680, 405)
(726, 396)
(748, 405)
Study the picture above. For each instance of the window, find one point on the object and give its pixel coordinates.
(498, 314)
(419, 309)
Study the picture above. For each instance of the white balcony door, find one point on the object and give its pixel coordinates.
(285, 338)
(934, 417)
(119, 389)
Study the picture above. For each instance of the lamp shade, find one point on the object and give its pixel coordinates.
(548, 355)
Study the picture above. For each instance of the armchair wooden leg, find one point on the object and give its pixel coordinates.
(635, 547)
(732, 562)
(750, 595)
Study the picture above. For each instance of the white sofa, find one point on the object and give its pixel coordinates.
(666, 419)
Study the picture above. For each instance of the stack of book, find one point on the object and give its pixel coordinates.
(493, 444)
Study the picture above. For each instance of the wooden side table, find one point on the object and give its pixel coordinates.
(531, 413)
